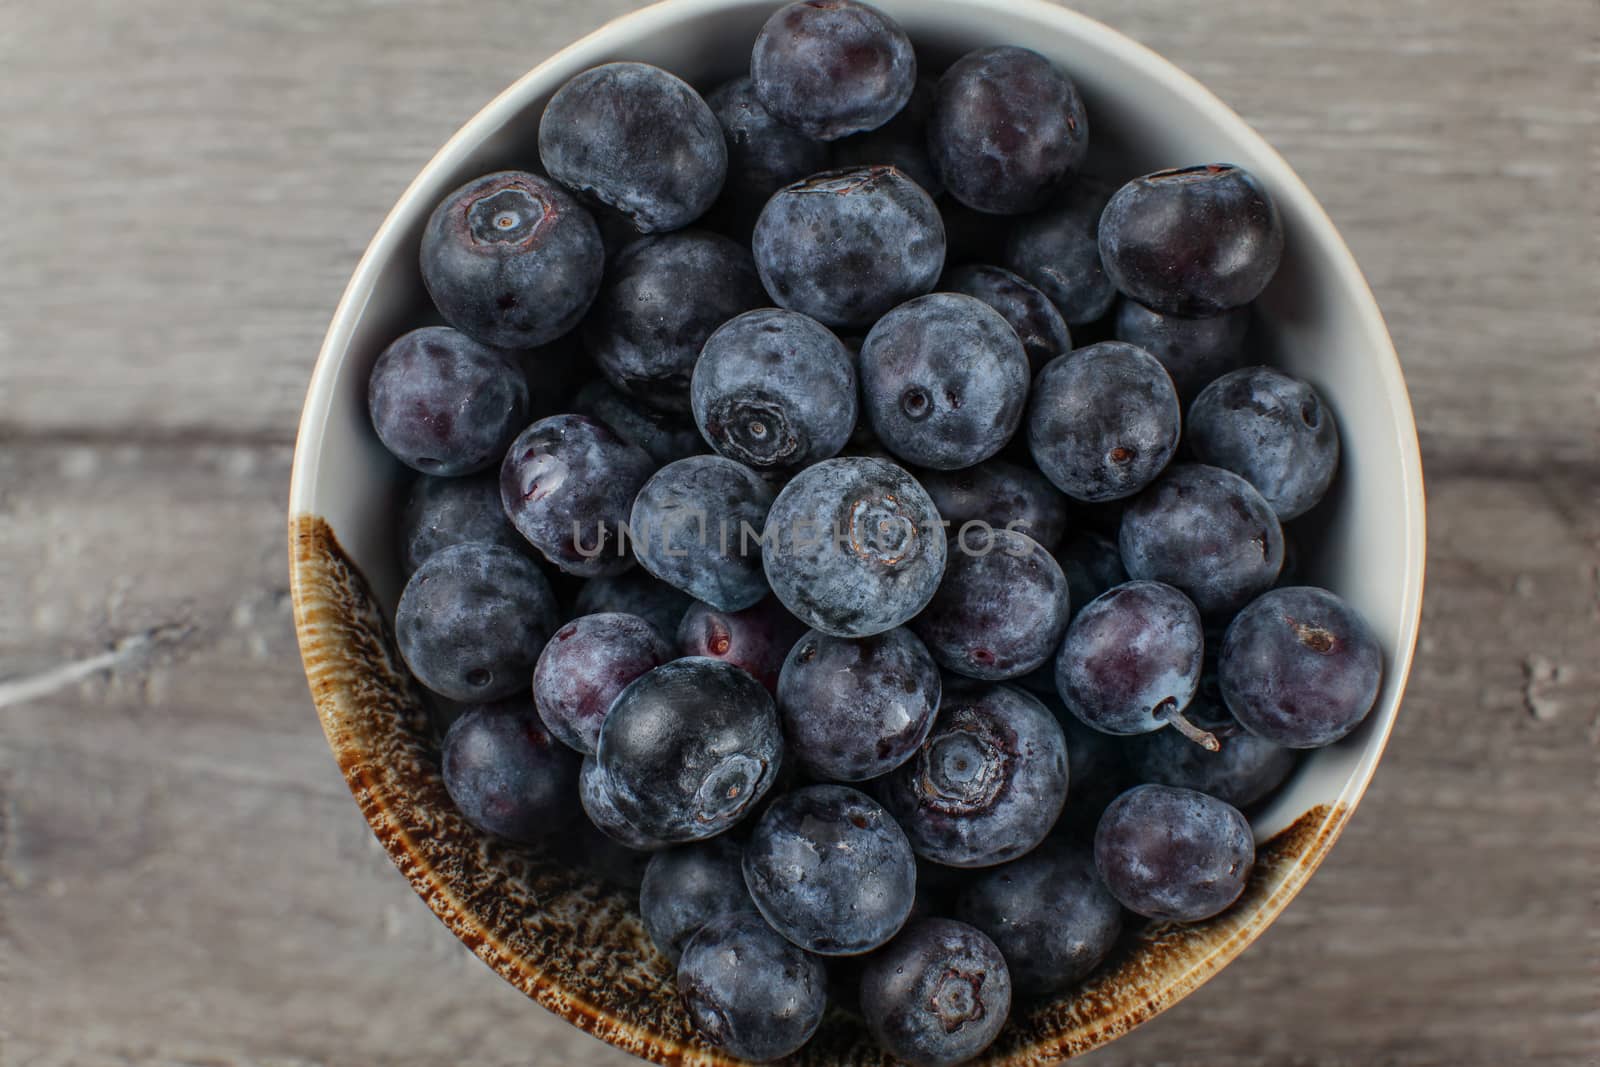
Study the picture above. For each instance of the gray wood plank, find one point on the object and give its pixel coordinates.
(184, 878)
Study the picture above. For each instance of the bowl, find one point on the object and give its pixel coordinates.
(576, 946)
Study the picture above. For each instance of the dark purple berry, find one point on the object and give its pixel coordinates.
(1300, 667)
(857, 708)
(1104, 421)
(830, 870)
(846, 246)
(511, 259)
(1008, 130)
(830, 68)
(636, 593)
(599, 804)
(1131, 661)
(583, 668)
(688, 886)
(987, 784)
(1194, 351)
(748, 991)
(1039, 326)
(1207, 532)
(690, 748)
(755, 640)
(636, 138)
(854, 547)
(764, 155)
(697, 526)
(938, 995)
(662, 298)
(1193, 241)
(440, 512)
(1001, 495)
(1246, 770)
(568, 485)
(1048, 913)
(1001, 609)
(506, 774)
(944, 380)
(666, 436)
(775, 390)
(902, 143)
(472, 621)
(1173, 854)
(1057, 250)
(445, 404)
(1272, 430)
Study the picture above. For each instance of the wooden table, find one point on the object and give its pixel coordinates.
(184, 188)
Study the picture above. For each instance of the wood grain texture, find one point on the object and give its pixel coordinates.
(186, 187)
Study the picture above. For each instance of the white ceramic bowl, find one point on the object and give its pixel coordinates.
(578, 948)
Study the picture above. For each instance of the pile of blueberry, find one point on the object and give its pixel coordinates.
(777, 517)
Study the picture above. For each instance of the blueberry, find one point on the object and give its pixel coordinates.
(944, 380)
(775, 390)
(1039, 326)
(1057, 250)
(636, 138)
(756, 640)
(440, 512)
(662, 298)
(690, 748)
(1001, 610)
(857, 708)
(764, 155)
(697, 526)
(750, 992)
(511, 259)
(1008, 130)
(1104, 421)
(1132, 659)
(830, 68)
(902, 142)
(472, 621)
(583, 668)
(1002, 495)
(568, 484)
(598, 799)
(605, 859)
(688, 886)
(1194, 351)
(938, 995)
(1244, 772)
(1173, 854)
(987, 784)
(665, 436)
(830, 870)
(636, 593)
(853, 547)
(444, 404)
(506, 774)
(1193, 241)
(1207, 532)
(1271, 429)
(847, 245)
(1300, 667)
(1092, 565)
(1048, 913)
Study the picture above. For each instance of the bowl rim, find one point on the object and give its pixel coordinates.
(411, 205)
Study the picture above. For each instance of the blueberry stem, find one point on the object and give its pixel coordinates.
(1204, 738)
